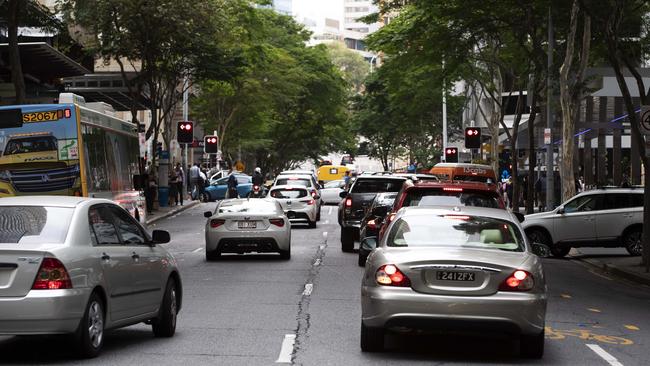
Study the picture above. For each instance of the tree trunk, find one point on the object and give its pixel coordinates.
(532, 155)
(17, 78)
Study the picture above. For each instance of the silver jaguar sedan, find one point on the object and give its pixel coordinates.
(458, 269)
(247, 225)
(80, 266)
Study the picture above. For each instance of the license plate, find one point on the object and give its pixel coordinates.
(247, 224)
(455, 276)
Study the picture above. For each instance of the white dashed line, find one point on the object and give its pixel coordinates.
(604, 355)
(322, 246)
(329, 211)
(317, 262)
(308, 289)
(197, 250)
(327, 222)
(287, 349)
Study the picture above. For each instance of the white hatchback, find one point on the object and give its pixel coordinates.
(297, 202)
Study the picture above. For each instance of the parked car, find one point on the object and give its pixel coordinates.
(454, 269)
(297, 203)
(597, 218)
(217, 190)
(359, 197)
(245, 226)
(331, 192)
(374, 218)
(82, 266)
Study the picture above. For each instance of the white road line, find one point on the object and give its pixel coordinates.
(287, 349)
(604, 355)
(322, 247)
(197, 250)
(327, 222)
(317, 262)
(309, 287)
(329, 211)
(325, 234)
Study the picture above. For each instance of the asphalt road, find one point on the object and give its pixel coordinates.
(258, 309)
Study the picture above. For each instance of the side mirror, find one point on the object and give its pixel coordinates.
(541, 250)
(380, 211)
(520, 216)
(317, 197)
(560, 210)
(160, 236)
(343, 194)
(367, 245)
(207, 214)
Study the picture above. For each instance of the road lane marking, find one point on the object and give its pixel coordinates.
(329, 211)
(309, 287)
(585, 334)
(324, 235)
(317, 262)
(566, 296)
(594, 310)
(322, 247)
(197, 250)
(327, 222)
(287, 348)
(631, 327)
(604, 355)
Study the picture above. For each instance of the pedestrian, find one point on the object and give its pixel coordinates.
(172, 199)
(203, 179)
(180, 181)
(346, 180)
(195, 176)
(625, 182)
(232, 185)
(152, 188)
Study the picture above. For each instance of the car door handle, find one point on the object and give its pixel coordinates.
(106, 257)
(135, 256)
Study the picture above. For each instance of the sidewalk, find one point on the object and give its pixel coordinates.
(623, 266)
(164, 212)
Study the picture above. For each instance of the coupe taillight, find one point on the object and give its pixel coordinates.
(277, 222)
(308, 202)
(52, 275)
(215, 223)
(313, 193)
(390, 275)
(519, 280)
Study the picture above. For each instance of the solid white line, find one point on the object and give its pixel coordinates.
(329, 211)
(308, 289)
(287, 349)
(197, 250)
(324, 234)
(604, 355)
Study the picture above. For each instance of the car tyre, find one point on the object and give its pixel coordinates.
(312, 224)
(205, 197)
(347, 239)
(212, 255)
(89, 337)
(372, 339)
(633, 242)
(532, 346)
(318, 214)
(285, 254)
(540, 236)
(165, 324)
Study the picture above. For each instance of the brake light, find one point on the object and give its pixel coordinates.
(390, 275)
(309, 202)
(457, 217)
(348, 202)
(313, 193)
(390, 217)
(215, 223)
(52, 275)
(256, 188)
(67, 113)
(519, 280)
(372, 224)
(452, 189)
(277, 222)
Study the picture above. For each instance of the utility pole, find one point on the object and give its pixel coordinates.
(444, 117)
(185, 118)
(550, 190)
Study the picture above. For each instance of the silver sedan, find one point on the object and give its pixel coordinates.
(461, 268)
(247, 225)
(71, 265)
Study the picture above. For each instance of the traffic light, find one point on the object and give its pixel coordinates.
(210, 145)
(472, 138)
(185, 132)
(451, 155)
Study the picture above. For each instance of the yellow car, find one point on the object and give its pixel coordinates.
(328, 173)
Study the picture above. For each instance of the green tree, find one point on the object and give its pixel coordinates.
(352, 65)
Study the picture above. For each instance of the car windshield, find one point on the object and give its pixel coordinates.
(376, 185)
(288, 193)
(293, 181)
(34, 224)
(252, 206)
(439, 197)
(455, 231)
(334, 184)
(30, 145)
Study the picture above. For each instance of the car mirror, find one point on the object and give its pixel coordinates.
(317, 197)
(160, 237)
(561, 210)
(367, 245)
(541, 250)
(207, 214)
(520, 216)
(343, 194)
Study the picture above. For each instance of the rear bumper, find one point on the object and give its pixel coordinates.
(302, 215)
(512, 313)
(248, 241)
(43, 312)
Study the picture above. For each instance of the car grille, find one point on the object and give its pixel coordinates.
(242, 245)
(44, 180)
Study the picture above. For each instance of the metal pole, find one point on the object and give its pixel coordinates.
(444, 116)
(185, 118)
(550, 191)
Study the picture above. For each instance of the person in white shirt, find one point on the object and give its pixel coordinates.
(195, 178)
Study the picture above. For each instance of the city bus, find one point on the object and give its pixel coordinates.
(71, 148)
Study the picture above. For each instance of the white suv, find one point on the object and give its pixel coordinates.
(598, 218)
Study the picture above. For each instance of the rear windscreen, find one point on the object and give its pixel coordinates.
(288, 193)
(293, 181)
(34, 224)
(438, 197)
(252, 206)
(376, 186)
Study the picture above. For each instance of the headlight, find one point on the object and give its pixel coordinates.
(5, 175)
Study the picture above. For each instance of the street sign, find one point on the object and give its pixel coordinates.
(644, 123)
(547, 136)
(239, 166)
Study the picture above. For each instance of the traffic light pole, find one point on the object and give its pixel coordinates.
(185, 118)
(550, 190)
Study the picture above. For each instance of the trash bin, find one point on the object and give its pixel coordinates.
(163, 196)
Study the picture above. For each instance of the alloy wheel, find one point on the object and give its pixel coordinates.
(95, 324)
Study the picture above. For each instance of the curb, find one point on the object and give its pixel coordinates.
(173, 212)
(618, 271)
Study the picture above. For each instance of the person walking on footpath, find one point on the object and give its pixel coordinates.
(180, 178)
(232, 185)
(195, 177)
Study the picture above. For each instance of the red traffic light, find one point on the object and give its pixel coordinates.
(186, 126)
(471, 132)
(212, 140)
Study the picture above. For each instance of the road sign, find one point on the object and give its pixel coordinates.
(547, 136)
(644, 123)
(239, 166)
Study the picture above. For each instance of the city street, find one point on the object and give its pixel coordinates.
(259, 310)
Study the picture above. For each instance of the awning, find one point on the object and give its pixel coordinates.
(43, 61)
(108, 88)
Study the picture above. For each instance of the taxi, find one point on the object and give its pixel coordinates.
(464, 172)
(327, 173)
